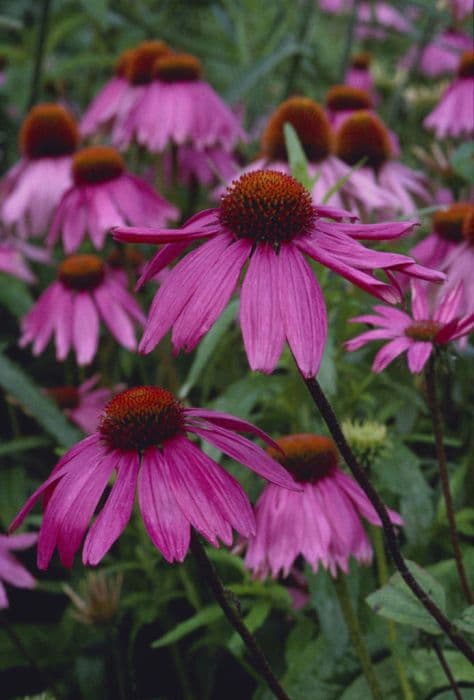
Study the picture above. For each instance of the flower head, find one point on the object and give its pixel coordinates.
(100, 599)
(368, 439)
(11, 571)
(103, 195)
(82, 404)
(70, 309)
(322, 523)
(418, 334)
(454, 115)
(142, 439)
(266, 219)
(33, 187)
(178, 107)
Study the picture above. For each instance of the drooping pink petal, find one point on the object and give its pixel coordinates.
(210, 296)
(116, 512)
(418, 354)
(115, 317)
(245, 452)
(260, 315)
(302, 309)
(389, 352)
(226, 420)
(85, 328)
(166, 524)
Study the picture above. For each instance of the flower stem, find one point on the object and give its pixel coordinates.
(382, 570)
(39, 52)
(433, 403)
(447, 670)
(332, 423)
(355, 632)
(346, 54)
(209, 572)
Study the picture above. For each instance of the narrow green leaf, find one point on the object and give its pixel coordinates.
(16, 382)
(15, 296)
(395, 601)
(22, 445)
(204, 617)
(462, 161)
(296, 156)
(466, 621)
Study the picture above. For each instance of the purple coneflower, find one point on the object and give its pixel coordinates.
(359, 75)
(322, 524)
(417, 335)
(103, 195)
(178, 107)
(142, 439)
(82, 404)
(72, 307)
(33, 187)
(454, 115)
(364, 135)
(267, 220)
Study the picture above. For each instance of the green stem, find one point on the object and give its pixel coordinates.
(346, 54)
(382, 570)
(230, 610)
(433, 403)
(39, 52)
(447, 670)
(355, 632)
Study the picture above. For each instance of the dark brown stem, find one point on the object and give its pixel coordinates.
(447, 670)
(43, 22)
(433, 403)
(393, 547)
(209, 572)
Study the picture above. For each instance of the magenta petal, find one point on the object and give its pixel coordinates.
(193, 495)
(210, 296)
(302, 309)
(245, 452)
(168, 528)
(389, 352)
(377, 232)
(260, 317)
(115, 318)
(361, 502)
(418, 354)
(117, 510)
(226, 420)
(85, 330)
(159, 261)
(222, 492)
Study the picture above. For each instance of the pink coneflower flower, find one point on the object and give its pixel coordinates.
(11, 571)
(72, 307)
(446, 236)
(142, 440)
(103, 195)
(267, 220)
(417, 335)
(343, 100)
(178, 107)
(33, 187)
(105, 106)
(454, 114)
(359, 76)
(314, 131)
(459, 263)
(461, 8)
(322, 524)
(84, 404)
(441, 55)
(364, 135)
(372, 16)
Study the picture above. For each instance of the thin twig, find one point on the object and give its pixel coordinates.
(433, 403)
(447, 670)
(209, 572)
(393, 547)
(39, 52)
(346, 54)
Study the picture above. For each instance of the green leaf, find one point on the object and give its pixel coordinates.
(395, 600)
(15, 295)
(204, 617)
(16, 382)
(13, 492)
(462, 161)
(466, 621)
(325, 601)
(296, 156)
(208, 345)
(22, 445)
(253, 620)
